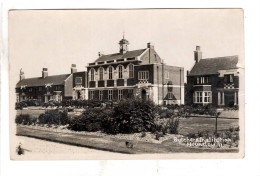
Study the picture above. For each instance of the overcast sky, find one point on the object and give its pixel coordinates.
(58, 38)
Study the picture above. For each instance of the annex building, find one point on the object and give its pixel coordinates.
(124, 74)
(213, 81)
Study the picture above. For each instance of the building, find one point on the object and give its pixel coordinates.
(213, 81)
(45, 88)
(138, 73)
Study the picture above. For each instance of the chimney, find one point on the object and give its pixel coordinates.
(100, 53)
(44, 72)
(197, 54)
(150, 45)
(73, 68)
(22, 76)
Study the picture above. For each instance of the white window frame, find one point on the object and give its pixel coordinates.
(120, 72)
(101, 74)
(91, 96)
(131, 70)
(92, 74)
(201, 97)
(143, 75)
(120, 94)
(110, 94)
(110, 72)
(101, 95)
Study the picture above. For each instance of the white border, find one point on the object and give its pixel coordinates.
(247, 166)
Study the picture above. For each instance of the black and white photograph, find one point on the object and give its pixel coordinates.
(126, 84)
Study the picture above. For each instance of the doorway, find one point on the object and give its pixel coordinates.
(143, 94)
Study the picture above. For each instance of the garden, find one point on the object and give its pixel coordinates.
(137, 120)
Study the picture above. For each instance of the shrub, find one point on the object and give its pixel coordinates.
(173, 125)
(92, 119)
(54, 117)
(22, 119)
(133, 115)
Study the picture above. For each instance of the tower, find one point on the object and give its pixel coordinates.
(123, 44)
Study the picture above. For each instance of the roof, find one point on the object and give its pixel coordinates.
(115, 56)
(39, 81)
(213, 65)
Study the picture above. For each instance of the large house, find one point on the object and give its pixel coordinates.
(213, 81)
(45, 88)
(138, 73)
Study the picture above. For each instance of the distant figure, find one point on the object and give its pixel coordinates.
(129, 144)
(19, 149)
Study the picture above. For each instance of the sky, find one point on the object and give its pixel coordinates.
(55, 39)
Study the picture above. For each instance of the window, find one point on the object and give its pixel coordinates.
(78, 80)
(39, 98)
(120, 72)
(91, 95)
(207, 96)
(101, 74)
(131, 71)
(229, 78)
(170, 94)
(143, 75)
(30, 89)
(92, 71)
(40, 89)
(110, 72)
(202, 97)
(202, 80)
(110, 94)
(101, 95)
(167, 75)
(199, 97)
(120, 94)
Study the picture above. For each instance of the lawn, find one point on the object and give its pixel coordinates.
(195, 124)
(187, 125)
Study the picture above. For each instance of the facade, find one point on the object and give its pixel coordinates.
(213, 81)
(137, 73)
(45, 88)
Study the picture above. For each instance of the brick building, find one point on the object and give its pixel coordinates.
(213, 81)
(138, 73)
(45, 88)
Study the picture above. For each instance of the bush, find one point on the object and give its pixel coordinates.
(54, 117)
(25, 119)
(132, 115)
(173, 125)
(92, 119)
(22, 119)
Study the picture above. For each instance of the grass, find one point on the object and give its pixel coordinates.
(112, 144)
(195, 124)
